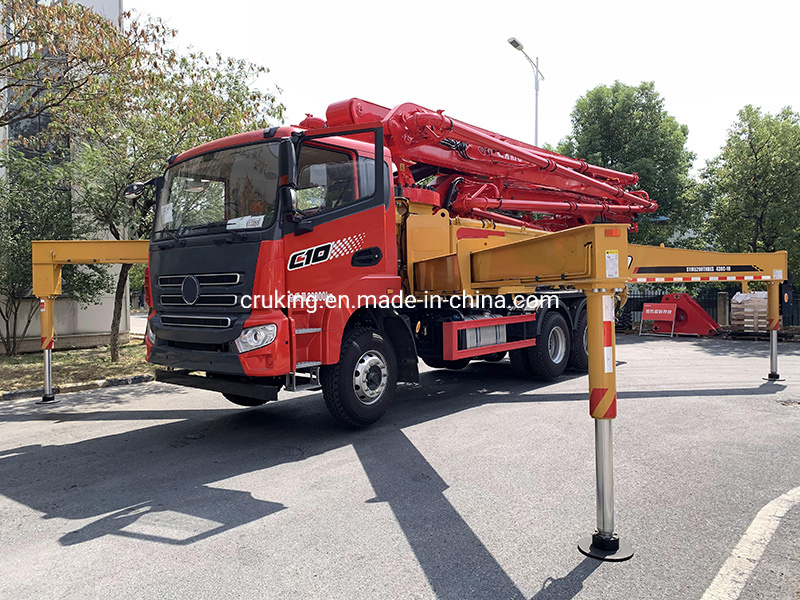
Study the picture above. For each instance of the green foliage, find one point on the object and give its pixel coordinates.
(159, 103)
(35, 203)
(753, 186)
(51, 54)
(626, 128)
(136, 278)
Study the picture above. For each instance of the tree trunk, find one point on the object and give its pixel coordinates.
(9, 313)
(119, 298)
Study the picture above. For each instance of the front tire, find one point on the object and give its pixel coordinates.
(360, 387)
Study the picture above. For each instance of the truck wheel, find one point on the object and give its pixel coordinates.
(550, 355)
(361, 386)
(454, 365)
(244, 400)
(579, 351)
(548, 358)
(521, 362)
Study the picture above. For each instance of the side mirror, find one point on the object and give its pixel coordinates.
(134, 190)
(137, 188)
(287, 162)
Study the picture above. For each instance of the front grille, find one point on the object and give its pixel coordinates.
(203, 300)
(202, 279)
(195, 321)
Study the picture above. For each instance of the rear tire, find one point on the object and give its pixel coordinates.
(244, 400)
(360, 387)
(548, 358)
(579, 354)
(521, 362)
(550, 354)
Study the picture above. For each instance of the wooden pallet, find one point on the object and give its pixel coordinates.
(750, 315)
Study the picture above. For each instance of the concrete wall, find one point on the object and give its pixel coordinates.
(77, 327)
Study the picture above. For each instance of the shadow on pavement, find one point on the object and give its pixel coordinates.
(129, 481)
(569, 586)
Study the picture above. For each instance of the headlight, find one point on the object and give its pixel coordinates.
(256, 337)
(151, 337)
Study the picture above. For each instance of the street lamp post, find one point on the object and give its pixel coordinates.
(537, 75)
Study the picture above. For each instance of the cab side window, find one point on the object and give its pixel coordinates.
(326, 179)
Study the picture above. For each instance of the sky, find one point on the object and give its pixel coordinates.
(708, 59)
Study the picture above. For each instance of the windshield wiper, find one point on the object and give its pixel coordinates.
(224, 225)
(173, 233)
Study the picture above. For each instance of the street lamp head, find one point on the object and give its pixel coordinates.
(516, 43)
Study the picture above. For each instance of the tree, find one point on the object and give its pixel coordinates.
(626, 128)
(36, 204)
(162, 103)
(52, 53)
(753, 186)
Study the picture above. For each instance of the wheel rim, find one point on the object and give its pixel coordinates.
(586, 340)
(370, 377)
(557, 344)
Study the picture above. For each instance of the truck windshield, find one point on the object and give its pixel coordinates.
(235, 188)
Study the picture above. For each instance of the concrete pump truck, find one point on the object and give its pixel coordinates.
(338, 252)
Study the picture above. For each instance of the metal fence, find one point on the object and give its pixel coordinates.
(632, 311)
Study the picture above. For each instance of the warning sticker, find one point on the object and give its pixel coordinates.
(608, 308)
(608, 357)
(166, 213)
(777, 274)
(612, 264)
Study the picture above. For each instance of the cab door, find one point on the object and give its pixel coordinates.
(340, 244)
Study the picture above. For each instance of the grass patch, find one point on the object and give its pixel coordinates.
(26, 371)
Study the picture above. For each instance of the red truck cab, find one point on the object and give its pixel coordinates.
(261, 246)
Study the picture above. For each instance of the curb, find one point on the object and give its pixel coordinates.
(77, 387)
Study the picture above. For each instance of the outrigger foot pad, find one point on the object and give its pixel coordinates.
(612, 550)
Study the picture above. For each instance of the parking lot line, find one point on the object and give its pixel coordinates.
(733, 575)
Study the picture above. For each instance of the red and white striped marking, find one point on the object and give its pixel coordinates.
(602, 400)
(701, 278)
(608, 333)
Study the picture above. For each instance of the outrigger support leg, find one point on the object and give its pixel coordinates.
(604, 543)
(48, 336)
(773, 324)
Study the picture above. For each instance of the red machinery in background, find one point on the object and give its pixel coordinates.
(690, 318)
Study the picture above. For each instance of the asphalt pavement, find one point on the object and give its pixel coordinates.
(476, 485)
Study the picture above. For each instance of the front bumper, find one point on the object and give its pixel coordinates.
(211, 350)
(248, 389)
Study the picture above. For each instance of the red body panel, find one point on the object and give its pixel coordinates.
(337, 277)
(451, 329)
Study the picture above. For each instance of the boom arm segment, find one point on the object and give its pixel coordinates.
(651, 264)
(478, 172)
